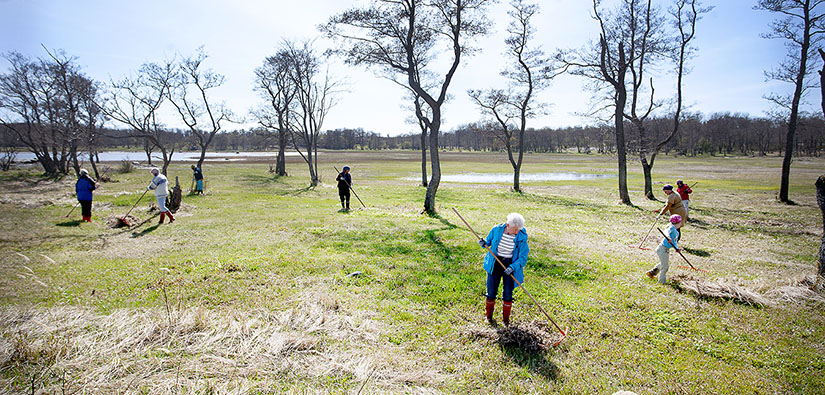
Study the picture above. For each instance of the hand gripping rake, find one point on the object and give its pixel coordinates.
(563, 332)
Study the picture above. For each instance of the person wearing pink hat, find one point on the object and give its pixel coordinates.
(663, 250)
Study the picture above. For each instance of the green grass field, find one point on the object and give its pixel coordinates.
(254, 288)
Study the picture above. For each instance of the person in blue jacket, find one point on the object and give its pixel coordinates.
(84, 187)
(197, 174)
(663, 250)
(508, 241)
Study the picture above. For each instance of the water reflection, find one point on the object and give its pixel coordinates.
(508, 177)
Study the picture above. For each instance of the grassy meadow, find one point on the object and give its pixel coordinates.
(262, 286)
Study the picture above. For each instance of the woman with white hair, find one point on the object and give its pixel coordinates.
(160, 186)
(508, 241)
(84, 187)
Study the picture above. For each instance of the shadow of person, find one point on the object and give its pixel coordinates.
(528, 350)
(75, 222)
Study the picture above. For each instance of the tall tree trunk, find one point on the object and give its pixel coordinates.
(820, 200)
(647, 169)
(203, 154)
(794, 119)
(423, 158)
(280, 160)
(432, 188)
(94, 166)
(621, 148)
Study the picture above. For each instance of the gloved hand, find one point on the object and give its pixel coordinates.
(482, 243)
(508, 271)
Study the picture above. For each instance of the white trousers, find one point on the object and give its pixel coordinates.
(664, 264)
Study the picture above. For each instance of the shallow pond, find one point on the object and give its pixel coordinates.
(140, 156)
(480, 178)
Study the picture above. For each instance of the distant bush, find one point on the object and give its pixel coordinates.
(125, 167)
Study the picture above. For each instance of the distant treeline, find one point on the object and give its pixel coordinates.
(719, 134)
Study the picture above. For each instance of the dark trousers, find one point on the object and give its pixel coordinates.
(86, 208)
(496, 277)
(344, 195)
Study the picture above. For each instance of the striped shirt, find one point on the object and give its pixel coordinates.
(506, 245)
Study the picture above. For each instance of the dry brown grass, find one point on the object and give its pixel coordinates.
(719, 290)
(529, 337)
(196, 350)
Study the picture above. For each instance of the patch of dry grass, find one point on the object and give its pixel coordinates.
(196, 350)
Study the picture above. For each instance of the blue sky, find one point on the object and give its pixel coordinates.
(113, 38)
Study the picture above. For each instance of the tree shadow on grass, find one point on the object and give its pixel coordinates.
(75, 222)
(574, 203)
(520, 346)
(262, 180)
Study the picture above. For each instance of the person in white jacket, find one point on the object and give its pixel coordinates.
(160, 186)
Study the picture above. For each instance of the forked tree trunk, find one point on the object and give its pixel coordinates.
(820, 199)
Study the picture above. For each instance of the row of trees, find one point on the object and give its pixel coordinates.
(718, 134)
(55, 110)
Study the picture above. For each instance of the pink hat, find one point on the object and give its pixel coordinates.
(675, 218)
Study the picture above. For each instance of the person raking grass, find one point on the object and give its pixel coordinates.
(344, 182)
(684, 192)
(671, 240)
(197, 175)
(84, 188)
(161, 188)
(509, 242)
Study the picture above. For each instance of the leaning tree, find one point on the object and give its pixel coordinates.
(405, 37)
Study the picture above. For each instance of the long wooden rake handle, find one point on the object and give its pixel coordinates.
(72, 210)
(136, 203)
(677, 250)
(651, 227)
(513, 277)
(350, 188)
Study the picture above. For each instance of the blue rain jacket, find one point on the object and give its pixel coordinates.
(520, 251)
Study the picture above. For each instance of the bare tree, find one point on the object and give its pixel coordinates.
(39, 102)
(529, 73)
(802, 27)
(135, 102)
(314, 96)
(275, 86)
(685, 14)
(608, 63)
(404, 37)
(189, 94)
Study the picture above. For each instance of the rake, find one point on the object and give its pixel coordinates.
(563, 332)
(122, 220)
(680, 254)
(350, 188)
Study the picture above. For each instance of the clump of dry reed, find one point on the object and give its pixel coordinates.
(718, 290)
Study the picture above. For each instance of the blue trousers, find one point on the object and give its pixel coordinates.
(496, 277)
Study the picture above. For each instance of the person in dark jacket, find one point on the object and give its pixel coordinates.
(84, 187)
(508, 241)
(344, 182)
(197, 174)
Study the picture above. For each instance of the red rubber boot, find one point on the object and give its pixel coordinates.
(505, 313)
(162, 217)
(171, 218)
(491, 304)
